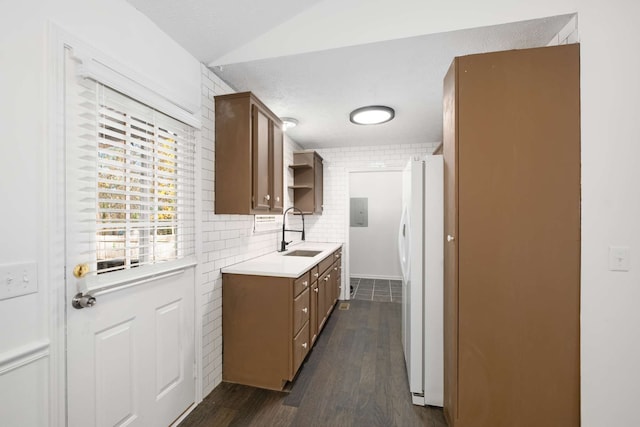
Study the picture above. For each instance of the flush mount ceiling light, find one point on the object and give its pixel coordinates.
(372, 115)
(288, 122)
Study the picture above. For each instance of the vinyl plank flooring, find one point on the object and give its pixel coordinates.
(354, 376)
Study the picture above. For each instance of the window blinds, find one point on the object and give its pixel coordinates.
(132, 200)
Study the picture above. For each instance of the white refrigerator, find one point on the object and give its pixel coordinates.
(420, 246)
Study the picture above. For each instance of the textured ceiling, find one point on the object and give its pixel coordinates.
(321, 88)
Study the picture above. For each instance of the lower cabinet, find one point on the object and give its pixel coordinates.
(270, 323)
(313, 315)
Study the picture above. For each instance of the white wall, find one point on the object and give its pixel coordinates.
(118, 30)
(373, 250)
(610, 90)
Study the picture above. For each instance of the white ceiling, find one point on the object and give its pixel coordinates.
(211, 28)
(320, 88)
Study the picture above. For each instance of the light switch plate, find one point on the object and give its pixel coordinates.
(619, 258)
(18, 279)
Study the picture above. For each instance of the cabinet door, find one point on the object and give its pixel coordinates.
(328, 293)
(450, 248)
(322, 311)
(318, 183)
(260, 156)
(335, 276)
(277, 197)
(313, 318)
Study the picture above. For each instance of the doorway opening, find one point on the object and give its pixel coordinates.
(375, 207)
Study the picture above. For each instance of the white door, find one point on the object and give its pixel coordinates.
(130, 357)
(404, 252)
(412, 285)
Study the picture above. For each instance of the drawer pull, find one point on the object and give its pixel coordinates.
(304, 310)
(304, 345)
(315, 289)
(337, 255)
(316, 274)
(326, 279)
(335, 268)
(305, 283)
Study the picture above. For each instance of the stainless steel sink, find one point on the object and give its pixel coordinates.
(303, 253)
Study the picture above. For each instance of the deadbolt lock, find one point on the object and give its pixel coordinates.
(80, 270)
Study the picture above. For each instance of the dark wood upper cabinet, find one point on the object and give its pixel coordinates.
(248, 156)
(276, 156)
(307, 181)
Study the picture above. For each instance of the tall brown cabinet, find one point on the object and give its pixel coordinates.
(512, 239)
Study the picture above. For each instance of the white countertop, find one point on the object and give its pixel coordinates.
(279, 265)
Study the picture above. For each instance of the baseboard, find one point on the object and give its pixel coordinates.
(184, 415)
(372, 276)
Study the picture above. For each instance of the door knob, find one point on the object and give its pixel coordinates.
(81, 301)
(450, 238)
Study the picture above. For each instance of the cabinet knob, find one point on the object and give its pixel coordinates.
(278, 199)
(316, 274)
(450, 238)
(304, 345)
(267, 197)
(305, 283)
(304, 310)
(315, 289)
(326, 279)
(335, 268)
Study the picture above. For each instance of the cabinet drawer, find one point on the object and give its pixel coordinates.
(325, 264)
(301, 284)
(315, 274)
(300, 347)
(300, 311)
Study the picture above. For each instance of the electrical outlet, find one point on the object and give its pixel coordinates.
(18, 279)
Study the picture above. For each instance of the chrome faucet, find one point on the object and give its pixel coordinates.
(283, 243)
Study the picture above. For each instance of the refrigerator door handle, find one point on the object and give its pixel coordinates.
(403, 237)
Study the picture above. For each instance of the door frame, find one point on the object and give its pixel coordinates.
(347, 223)
(57, 301)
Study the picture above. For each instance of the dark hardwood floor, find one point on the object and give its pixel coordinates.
(355, 376)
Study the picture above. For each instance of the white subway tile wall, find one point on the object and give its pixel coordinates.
(228, 239)
(331, 225)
